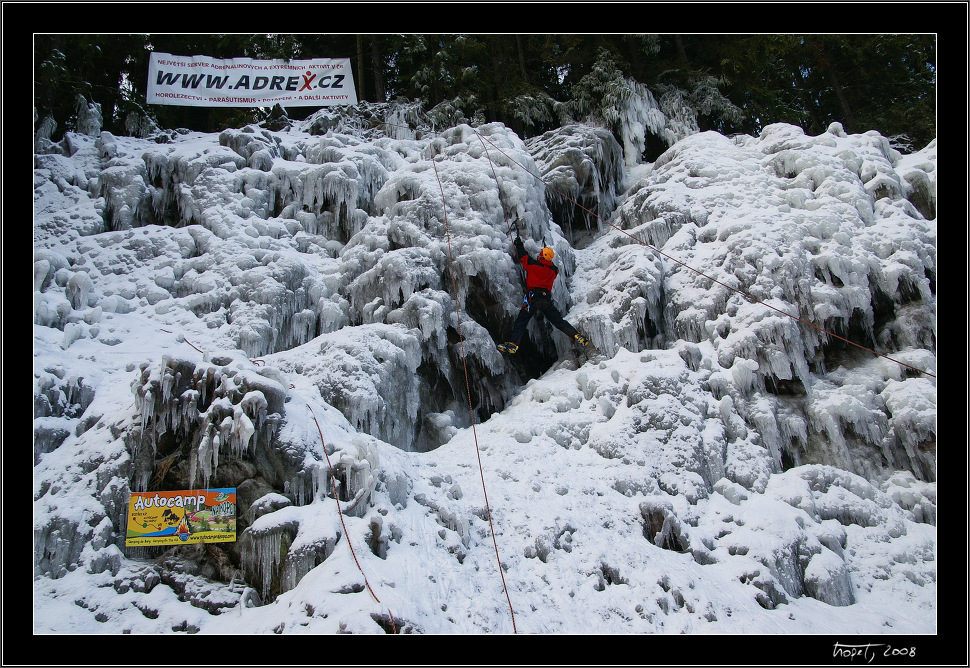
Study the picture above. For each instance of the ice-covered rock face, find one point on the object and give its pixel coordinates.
(771, 253)
(219, 422)
(584, 171)
(323, 266)
(274, 240)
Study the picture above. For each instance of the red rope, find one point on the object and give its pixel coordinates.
(468, 391)
(498, 186)
(333, 481)
(710, 278)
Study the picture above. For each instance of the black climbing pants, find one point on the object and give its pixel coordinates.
(539, 301)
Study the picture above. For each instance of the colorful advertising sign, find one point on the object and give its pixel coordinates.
(178, 518)
(201, 81)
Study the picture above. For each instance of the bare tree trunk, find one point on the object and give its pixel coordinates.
(823, 58)
(360, 68)
(635, 57)
(809, 103)
(681, 51)
(375, 54)
(840, 94)
(518, 45)
(495, 104)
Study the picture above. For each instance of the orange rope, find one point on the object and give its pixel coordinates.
(468, 391)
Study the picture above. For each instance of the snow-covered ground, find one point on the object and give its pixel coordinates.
(713, 467)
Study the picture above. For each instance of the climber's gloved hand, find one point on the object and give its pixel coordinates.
(518, 243)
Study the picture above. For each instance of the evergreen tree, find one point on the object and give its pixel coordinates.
(534, 83)
(99, 68)
(866, 82)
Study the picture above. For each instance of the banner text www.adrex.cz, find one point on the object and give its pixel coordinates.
(280, 83)
(200, 80)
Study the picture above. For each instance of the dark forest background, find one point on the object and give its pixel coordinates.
(732, 83)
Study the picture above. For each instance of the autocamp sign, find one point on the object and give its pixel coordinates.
(200, 81)
(188, 516)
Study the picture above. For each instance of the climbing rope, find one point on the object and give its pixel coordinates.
(498, 186)
(700, 273)
(686, 266)
(471, 410)
(182, 339)
(340, 513)
(333, 481)
(465, 365)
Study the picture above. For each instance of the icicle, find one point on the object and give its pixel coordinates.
(242, 432)
(146, 404)
(268, 556)
(743, 373)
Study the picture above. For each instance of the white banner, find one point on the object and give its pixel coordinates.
(200, 81)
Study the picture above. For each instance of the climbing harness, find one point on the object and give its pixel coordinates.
(686, 266)
(511, 348)
(700, 273)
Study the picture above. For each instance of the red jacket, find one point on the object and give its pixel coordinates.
(539, 273)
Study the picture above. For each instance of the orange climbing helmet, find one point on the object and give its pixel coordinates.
(547, 254)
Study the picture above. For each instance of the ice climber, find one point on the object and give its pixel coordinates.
(540, 275)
